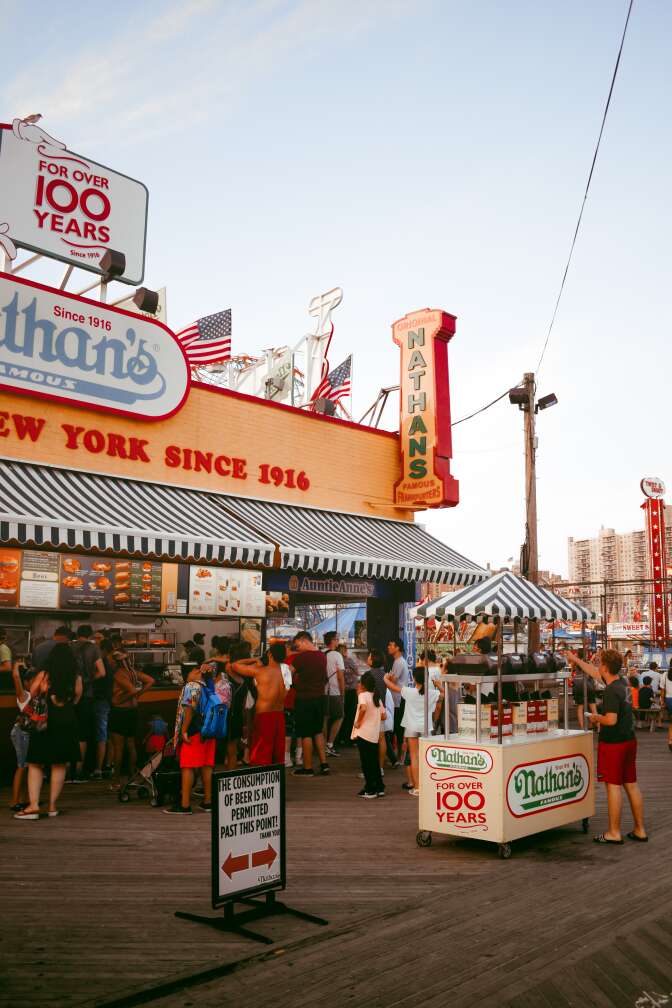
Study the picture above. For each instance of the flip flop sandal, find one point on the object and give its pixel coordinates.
(639, 839)
(601, 839)
(54, 813)
(26, 815)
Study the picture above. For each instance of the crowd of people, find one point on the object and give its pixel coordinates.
(78, 718)
(298, 705)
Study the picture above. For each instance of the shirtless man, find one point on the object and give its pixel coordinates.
(268, 734)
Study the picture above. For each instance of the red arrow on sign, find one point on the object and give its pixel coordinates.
(264, 857)
(234, 864)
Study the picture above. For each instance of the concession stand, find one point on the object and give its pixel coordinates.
(137, 498)
(511, 766)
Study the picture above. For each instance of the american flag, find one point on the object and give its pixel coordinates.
(207, 340)
(336, 385)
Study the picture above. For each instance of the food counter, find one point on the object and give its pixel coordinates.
(502, 781)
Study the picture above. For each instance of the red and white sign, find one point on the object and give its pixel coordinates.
(67, 207)
(61, 346)
(654, 508)
(653, 487)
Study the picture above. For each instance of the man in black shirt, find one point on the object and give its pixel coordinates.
(616, 748)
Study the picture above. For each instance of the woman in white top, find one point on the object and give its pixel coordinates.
(366, 730)
(414, 716)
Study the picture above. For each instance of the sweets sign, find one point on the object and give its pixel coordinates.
(59, 204)
(426, 440)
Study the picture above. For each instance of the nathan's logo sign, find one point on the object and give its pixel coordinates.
(478, 761)
(65, 206)
(426, 441)
(66, 347)
(547, 784)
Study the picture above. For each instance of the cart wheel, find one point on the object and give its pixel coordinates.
(585, 823)
(124, 797)
(143, 792)
(505, 851)
(424, 838)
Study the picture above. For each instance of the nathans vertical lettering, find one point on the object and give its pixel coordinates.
(425, 434)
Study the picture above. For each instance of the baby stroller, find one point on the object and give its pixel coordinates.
(158, 779)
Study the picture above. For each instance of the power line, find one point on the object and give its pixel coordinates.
(482, 409)
(585, 195)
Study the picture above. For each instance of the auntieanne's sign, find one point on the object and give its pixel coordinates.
(426, 441)
(66, 206)
(65, 347)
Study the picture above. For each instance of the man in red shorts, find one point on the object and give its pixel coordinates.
(268, 733)
(616, 748)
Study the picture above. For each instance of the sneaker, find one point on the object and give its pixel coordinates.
(206, 806)
(324, 769)
(303, 772)
(79, 778)
(198, 792)
(414, 792)
(360, 794)
(107, 772)
(406, 787)
(369, 794)
(395, 766)
(96, 775)
(381, 794)
(330, 750)
(288, 764)
(361, 776)
(177, 810)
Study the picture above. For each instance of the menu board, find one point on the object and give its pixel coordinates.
(39, 580)
(10, 569)
(137, 585)
(216, 591)
(100, 583)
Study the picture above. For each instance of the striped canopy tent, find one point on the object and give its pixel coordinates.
(505, 595)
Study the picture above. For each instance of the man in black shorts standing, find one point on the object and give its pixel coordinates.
(310, 680)
(616, 748)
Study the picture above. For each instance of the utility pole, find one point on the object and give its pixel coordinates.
(531, 481)
(529, 414)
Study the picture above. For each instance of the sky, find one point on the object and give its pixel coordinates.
(423, 154)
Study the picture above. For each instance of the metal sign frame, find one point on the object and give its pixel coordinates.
(267, 887)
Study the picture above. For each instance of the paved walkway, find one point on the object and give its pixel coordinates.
(89, 903)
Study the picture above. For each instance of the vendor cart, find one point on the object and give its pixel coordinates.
(500, 791)
(513, 767)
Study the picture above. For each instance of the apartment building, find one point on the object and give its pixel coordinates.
(611, 556)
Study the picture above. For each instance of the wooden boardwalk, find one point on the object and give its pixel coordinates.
(89, 903)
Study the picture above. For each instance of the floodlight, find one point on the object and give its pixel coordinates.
(113, 264)
(146, 300)
(547, 400)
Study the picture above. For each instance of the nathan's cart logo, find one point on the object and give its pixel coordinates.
(547, 784)
(70, 348)
(443, 757)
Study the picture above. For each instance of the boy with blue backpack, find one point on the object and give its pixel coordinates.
(202, 715)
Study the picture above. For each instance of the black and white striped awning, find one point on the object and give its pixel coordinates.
(506, 595)
(327, 541)
(55, 507)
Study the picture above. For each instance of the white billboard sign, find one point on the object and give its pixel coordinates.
(67, 207)
(629, 631)
(62, 346)
(248, 832)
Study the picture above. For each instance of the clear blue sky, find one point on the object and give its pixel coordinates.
(416, 154)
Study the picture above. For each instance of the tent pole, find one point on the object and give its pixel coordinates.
(426, 697)
(500, 708)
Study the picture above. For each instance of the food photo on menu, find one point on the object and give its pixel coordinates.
(10, 564)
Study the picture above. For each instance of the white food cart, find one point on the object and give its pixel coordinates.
(534, 774)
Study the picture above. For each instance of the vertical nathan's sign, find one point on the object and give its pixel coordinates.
(66, 206)
(426, 440)
(248, 833)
